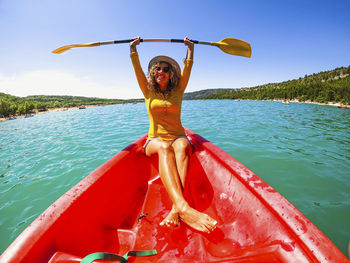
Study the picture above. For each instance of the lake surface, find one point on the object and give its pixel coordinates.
(301, 150)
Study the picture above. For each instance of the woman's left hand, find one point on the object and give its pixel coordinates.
(190, 47)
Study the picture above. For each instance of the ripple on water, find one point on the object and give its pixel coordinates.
(301, 150)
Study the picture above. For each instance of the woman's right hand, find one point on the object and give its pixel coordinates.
(134, 43)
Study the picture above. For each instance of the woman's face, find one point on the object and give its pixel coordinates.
(162, 74)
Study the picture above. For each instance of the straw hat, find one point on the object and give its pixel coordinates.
(168, 60)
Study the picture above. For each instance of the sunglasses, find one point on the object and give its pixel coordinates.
(165, 69)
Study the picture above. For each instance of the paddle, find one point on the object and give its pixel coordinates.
(230, 46)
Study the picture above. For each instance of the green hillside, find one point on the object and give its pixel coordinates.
(201, 94)
(328, 86)
(12, 105)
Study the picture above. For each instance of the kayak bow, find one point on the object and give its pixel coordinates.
(118, 208)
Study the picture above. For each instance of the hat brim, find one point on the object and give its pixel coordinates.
(168, 60)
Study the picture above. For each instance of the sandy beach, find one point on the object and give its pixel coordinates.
(47, 111)
(334, 104)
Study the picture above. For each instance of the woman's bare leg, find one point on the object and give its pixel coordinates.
(167, 166)
(172, 183)
(182, 149)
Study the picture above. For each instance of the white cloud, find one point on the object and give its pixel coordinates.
(54, 82)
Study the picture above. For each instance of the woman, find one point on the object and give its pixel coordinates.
(163, 91)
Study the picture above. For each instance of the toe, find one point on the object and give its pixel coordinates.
(212, 222)
(211, 226)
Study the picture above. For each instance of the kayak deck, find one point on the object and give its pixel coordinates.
(119, 206)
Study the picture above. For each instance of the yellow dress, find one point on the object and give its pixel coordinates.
(164, 112)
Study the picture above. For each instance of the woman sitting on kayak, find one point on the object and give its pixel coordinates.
(163, 91)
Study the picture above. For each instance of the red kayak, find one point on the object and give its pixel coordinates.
(118, 208)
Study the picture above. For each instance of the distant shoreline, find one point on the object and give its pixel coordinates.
(334, 104)
(47, 111)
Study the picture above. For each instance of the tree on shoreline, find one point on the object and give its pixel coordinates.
(329, 86)
(13, 106)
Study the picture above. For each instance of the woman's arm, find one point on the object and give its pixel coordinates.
(185, 75)
(133, 44)
(140, 75)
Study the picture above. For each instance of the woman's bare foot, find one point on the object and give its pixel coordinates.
(172, 220)
(197, 220)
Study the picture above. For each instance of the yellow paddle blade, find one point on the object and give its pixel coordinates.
(234, 46)
(60, 50)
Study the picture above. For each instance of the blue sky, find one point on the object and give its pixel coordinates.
(289, 39)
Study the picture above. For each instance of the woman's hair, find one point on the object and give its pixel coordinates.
(152, 83)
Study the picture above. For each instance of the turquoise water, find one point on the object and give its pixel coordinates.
(301, 150)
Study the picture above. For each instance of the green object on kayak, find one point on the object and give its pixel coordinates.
(113, 257)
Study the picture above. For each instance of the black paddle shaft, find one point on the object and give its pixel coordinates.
(151, 40)
(182, 41)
